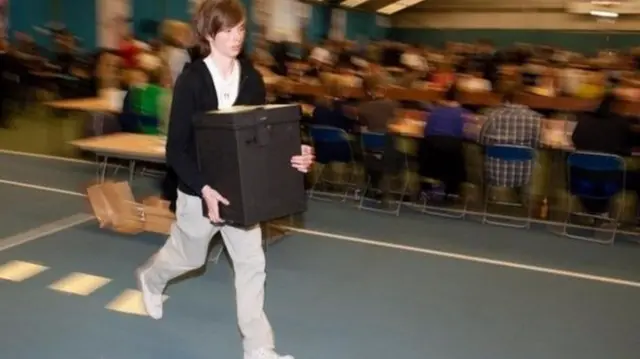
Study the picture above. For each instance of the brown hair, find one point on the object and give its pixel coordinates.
(214, 16)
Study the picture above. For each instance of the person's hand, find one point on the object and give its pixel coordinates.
(213, 199)
(304, 161)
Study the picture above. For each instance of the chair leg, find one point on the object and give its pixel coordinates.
(352, 184)
(363, 197)
(445, 212)
(565, 228)
(486, 204)
(403, 193)
(529, 211)
(103, 169)
(608, 240)
(349, 185)
(346, 184)
(316, 181)
(616, 222)
(526, 223)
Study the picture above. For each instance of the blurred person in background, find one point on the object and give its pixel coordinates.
(375, 112)
(441, 155)
(444, 76)
(604, 131)
(176, 38)
(128, 48)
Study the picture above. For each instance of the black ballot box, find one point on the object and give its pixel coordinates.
(244, 153)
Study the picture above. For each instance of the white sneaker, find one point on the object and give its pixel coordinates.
(152, 302)
(265, 354)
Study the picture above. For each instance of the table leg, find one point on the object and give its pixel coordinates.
(97, 123)
(98, 168)
(102, 168)
(132, 170)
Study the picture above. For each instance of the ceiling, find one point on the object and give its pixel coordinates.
(472, 5)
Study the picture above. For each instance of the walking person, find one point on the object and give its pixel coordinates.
(218, 80)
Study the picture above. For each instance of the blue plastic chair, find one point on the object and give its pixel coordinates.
(373, 141)
(332, 145)
(588, 188)
(509, 153)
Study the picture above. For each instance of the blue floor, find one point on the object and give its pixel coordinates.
(326, 297)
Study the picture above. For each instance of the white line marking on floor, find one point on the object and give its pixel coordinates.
(44, 230)
(18, 271)
(468, 258)
(81, 284)
(130, 302)
(41, 188)
(46, 157)
(78, 194)
(450, 255)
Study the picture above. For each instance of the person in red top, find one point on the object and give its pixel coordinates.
(444, 77)
(128, 51)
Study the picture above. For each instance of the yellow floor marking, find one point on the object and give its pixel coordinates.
(17, 271)
(129, 302)
(79, 284)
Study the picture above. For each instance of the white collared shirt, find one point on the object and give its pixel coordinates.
(227, 89)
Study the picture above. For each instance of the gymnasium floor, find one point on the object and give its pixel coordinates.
(351, 285)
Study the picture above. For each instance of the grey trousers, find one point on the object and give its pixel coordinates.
(186, 250)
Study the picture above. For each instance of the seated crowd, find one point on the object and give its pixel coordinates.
(351, 90)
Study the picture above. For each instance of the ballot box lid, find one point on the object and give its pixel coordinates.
(238, 117)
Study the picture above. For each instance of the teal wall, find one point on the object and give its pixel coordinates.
(363, 25)
(156, 10)
(250, 25)
(582, 41)
(22, 16)
(359, 25)
(316, 29)
(177, 9)
(79, 16)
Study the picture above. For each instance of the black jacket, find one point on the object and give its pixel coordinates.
(611, 134)
(194, 92)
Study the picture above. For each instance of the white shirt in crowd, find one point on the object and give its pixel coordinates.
(474, 84)
(227, 89)
(571, 80)
(322, 55)
(414, 61)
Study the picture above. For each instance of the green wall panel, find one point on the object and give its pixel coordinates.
(581, 41)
